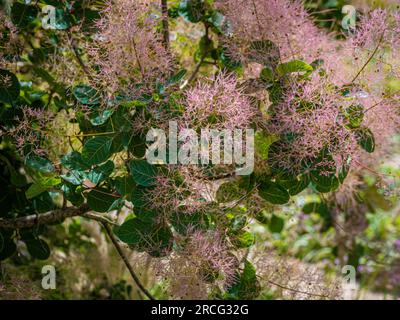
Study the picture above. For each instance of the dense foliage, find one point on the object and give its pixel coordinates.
(80, 90)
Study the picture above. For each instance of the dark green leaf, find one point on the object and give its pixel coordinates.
(276, 224)
(177, 77)
(100, 200)
(74, 161)
(97, 150)
(144, 234)
(273, 193)
(246, 286)
(143, 173)
(229, 191)
(86, 95)
(101, 173)
(38, 248)
(23, 15)
(39, 164)
(125, 185)
(73, 194)
(365, 139)
(192, 10)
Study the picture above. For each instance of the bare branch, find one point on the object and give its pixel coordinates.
(43, 218)
(126, 261)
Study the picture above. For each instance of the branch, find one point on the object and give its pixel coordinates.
(204, 56)
(42, 218)
(126, 261)
(78, 56)
(164, 9)
(369, 59)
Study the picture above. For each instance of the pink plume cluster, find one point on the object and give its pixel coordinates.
(127, 48)
(219, 104)
(204, 257)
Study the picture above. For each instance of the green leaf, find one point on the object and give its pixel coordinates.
(124, 185)
(143, 173)
(355, 116)
(177, 77)
(39, 164)
(301, 184)
(273, 193)
(23, 15)
(101, 117)
(75, 177)
(38, 248)
(144, 234)
(41, 185)
(276, 224)
(192, 10)
(63, 20)
(101, 173)
(228, 62)
(294, 66)
(262, 143)
(9, 86)
(86, 95)
(244, 239)
(73, 194)
(267, 75)
(366, 139)
(324, 182)
(246, 286)
(43, 202)
(100, 200)
(138, 197)
(220, 23)
(97, 150)
(74, 161)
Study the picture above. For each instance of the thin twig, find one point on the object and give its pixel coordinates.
(126, 261)
(369, 60)
(204, 56)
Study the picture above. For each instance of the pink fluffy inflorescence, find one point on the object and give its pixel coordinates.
(30, 129)
(127, 49)
(284, 22)
(217, 105)
(204, 260)
(309, 118)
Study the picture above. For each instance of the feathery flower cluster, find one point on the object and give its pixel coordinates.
(217, 105)
(29, 129)
(310, 120)
(284, 22)
(127, 49)
(204, 258)
(9, 40)
(175, 193)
